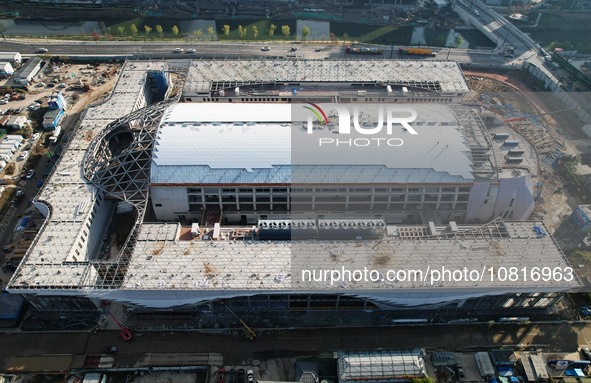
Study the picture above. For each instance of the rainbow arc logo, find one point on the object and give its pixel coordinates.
(318, 112)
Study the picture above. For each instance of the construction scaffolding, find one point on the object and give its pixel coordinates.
(205, 77)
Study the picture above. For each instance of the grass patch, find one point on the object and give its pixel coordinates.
(563, 30)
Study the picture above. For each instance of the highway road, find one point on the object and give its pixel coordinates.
(235, 49)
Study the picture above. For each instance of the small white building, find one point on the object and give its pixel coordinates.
(440, 4)
(17, 122)
(5, 154)
(25, 74)
(12, 141)
(13, 57)
(6, 69)
(8, 145)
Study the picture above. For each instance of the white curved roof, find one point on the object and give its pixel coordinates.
(258, 143)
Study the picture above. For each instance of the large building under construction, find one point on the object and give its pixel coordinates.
(225, 191)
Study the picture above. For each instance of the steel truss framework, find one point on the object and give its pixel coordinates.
(120, 167)
(483, 160)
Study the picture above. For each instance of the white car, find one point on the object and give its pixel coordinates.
(265, 49)
(476, 12)
(178, 50)
(40, 84)
(30, 173)
(191, 50)
(42, 50)
(23, 155)
(250, 376)
(36, 136)
(3, 102)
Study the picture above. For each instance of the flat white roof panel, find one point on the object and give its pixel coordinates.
(224, 143)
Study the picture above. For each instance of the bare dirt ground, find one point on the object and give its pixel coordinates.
(556, 132)
(552, 135)
(92, 95)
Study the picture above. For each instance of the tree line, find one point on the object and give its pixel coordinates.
(243, 32)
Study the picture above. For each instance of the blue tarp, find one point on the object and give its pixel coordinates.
(574, 372)
(505, 371)
(23, 224)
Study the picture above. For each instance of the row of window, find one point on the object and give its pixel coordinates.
(327, 205)
(427, 189)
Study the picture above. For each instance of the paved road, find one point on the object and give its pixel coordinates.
(234, 49)
(555, 337)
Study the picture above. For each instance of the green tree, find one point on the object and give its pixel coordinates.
(197, 33)
(459, 40)
(121, 30)
(255, 31)
(133, 29)
(147, 29)
(305, 32)
(160, 30)
(211, 32)
(240, 31)
(175, 30)
(285, 30)
(226, 30)
(272, 30)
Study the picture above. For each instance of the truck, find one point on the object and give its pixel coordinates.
(55, 135)
(363, 50)
(485, 365)
(416, 52)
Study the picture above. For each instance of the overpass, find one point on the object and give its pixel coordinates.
(527, 53)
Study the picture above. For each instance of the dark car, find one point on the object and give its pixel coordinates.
(461, 376)
(292, 49)
(240, 376)
(18, 196)
(585, 311)
(221, 377)
(232, 376)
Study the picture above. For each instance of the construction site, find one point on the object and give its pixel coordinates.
(102, 237)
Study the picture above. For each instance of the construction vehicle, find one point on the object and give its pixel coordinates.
(248, 332)
(363, 50)
(125, 333)
(416, 52)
